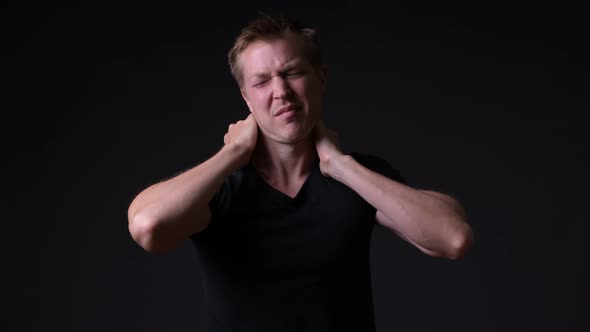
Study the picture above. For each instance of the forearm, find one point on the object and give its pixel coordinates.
(168, 212)
(434, 222)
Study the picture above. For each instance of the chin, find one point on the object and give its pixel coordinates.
(290, 134)
(295, 137)
(286, 137)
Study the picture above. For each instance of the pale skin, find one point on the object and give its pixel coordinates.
(282, 146)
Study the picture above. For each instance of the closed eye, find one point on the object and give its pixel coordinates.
(295, 73)
(259, 84)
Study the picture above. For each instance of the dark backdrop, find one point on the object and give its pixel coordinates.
(485, 102)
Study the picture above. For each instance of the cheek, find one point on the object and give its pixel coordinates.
(311, 90)
(260, 100)
(313, 98)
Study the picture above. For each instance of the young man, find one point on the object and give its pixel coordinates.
(281, 218)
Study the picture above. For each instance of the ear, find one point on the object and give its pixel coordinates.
(246, 99)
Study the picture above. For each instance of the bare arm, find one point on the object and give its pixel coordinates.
(166, 213)
(433, 222)
(455, 249)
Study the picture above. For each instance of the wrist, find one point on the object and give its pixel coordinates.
(338, 164)
(237, 154)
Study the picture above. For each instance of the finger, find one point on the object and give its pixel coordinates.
(251, 119)
(225, 139)
(254, 125)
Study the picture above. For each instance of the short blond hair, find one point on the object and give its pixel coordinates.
(269, 26)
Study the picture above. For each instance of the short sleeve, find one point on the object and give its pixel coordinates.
(219, 206)
(379, 165)
(218, 203)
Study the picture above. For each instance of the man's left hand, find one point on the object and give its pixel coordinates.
(327, 147)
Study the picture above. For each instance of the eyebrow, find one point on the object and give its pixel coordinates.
(290, 66)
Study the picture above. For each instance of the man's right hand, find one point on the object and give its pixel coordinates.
(166, 213)
(242, 135)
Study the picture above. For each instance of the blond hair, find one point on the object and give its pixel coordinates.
(270, 26)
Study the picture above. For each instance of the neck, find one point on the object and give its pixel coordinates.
(284, 164)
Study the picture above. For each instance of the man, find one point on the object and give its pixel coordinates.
(280, 217)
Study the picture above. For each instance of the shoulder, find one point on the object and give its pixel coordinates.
(231, 188)
(379, 165)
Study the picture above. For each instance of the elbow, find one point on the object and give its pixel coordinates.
(146, 232)
(461, 243)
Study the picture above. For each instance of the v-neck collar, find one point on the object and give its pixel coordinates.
(313, 169)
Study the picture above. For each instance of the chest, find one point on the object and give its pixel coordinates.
(325, 226)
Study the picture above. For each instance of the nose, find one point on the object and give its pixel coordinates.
(281, 88)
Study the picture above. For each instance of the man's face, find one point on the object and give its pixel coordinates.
(282, 89)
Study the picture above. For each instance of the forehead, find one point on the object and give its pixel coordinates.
(269, 55)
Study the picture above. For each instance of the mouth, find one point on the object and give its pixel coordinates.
(290, 109)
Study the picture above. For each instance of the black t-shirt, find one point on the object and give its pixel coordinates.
(270, 262)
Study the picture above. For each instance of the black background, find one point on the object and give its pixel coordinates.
(485, 102)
